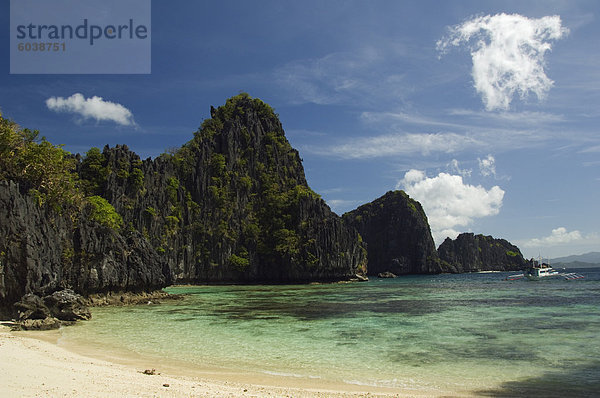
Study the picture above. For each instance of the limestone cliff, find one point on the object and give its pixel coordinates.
(42, 251)
(232, 205)
(472, 253)
(397, 234)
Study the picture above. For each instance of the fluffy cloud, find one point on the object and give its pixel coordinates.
(487, 166)
(92, 108)
(508, 54)
(449, 202)
(557, 237)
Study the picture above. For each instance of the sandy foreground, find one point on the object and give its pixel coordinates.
(33, 367)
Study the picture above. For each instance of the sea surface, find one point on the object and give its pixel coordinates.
(470, 332)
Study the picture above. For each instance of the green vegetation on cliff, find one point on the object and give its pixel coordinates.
(104, 213)
(45, 170)
(93, 171)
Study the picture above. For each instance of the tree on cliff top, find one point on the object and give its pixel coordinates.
(45, 170)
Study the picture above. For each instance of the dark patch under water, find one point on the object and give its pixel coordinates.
(534, 337)
(577, 381)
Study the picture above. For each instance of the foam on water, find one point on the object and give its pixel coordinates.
(474, 331)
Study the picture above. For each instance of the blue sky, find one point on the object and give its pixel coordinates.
(485, 112)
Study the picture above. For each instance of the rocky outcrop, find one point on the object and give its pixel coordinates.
(232, 205)
(397, 234)
(66, 305)
(32, 307)
(472, 253)
(35, 313)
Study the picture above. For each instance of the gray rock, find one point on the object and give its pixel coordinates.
(31, 307)
(48, 323)
(66, 305)
(472, 253)
(397, 234)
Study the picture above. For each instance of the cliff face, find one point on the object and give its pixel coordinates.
(471, 253)
(397, 234)
(42, 251)
(232, 205)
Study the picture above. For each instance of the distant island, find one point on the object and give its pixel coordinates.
(230, 206)
(587, 260)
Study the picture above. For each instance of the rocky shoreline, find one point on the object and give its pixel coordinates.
(130, 298)
(65, 307)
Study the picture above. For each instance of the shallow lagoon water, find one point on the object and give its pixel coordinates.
(473, 332)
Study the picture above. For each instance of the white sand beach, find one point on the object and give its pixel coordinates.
(33, 367)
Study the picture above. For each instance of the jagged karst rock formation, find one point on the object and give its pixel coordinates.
(397, 234)
(472, 253)
(231, 205)
(42, 251)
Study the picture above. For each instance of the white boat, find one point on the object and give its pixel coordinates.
(540, 270)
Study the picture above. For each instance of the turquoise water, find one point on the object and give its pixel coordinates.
(472, 332)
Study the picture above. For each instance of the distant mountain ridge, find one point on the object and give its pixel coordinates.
(591, 259)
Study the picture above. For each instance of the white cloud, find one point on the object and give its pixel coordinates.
(325, 80)
(560, 242)
(487, 166)
(360, 76)
(557, 237)
(526, 118)
(92, 108)
(397, 144)
(449, 202)
(454, 167)
(481, 130)
(508, 54)
(591, 149)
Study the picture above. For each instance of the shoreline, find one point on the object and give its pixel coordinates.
(36, 364)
